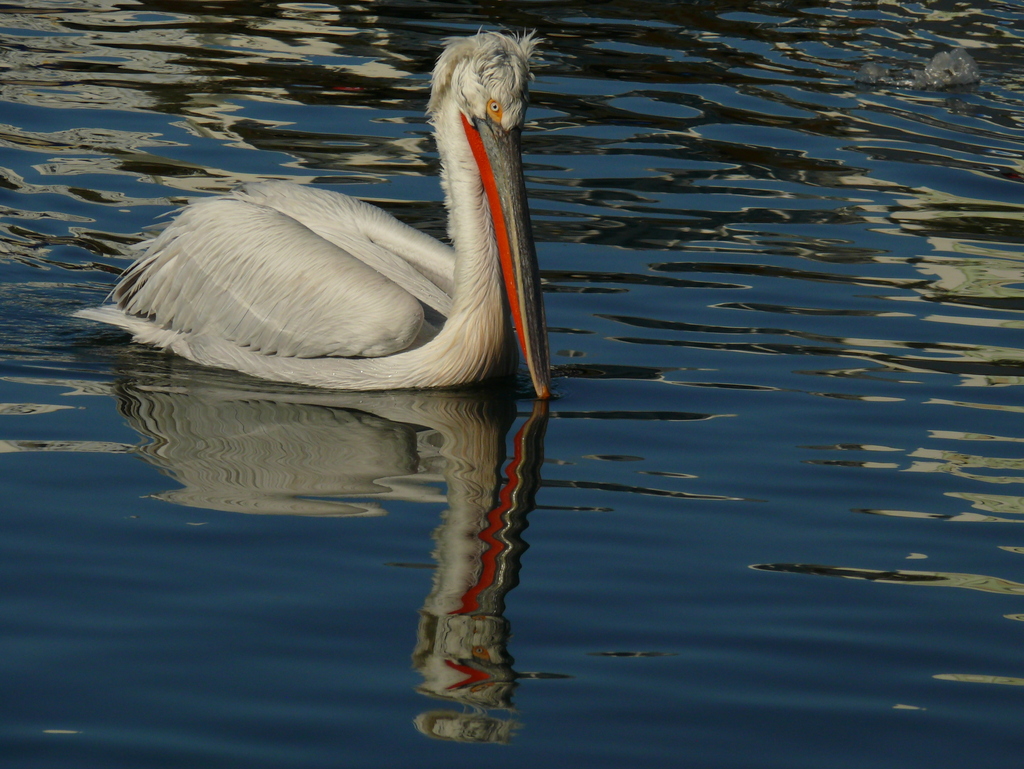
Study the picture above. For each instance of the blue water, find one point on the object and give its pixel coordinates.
(785, 312)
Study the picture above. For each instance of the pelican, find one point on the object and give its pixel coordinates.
(297, 284)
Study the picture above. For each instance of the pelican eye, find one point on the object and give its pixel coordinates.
(494, 110)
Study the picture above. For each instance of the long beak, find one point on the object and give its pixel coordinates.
(499, 158)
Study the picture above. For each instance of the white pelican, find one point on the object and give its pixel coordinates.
(298, 284)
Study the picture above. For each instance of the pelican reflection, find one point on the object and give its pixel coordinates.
(461, 650)
(239, 449)
(285, 451)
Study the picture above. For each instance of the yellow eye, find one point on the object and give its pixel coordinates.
(494, 110)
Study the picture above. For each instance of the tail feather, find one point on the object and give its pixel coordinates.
(142, 329)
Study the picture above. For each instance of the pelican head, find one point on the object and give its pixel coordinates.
(487, 75)
(480, 90)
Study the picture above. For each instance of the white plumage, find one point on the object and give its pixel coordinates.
(300, 284)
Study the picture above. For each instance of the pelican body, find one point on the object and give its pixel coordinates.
(297, 284)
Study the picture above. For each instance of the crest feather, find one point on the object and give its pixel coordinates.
(488, 54)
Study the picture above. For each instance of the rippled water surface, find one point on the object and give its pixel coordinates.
(786, 312)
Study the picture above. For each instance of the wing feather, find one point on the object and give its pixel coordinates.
(414, 260)
(254, 276)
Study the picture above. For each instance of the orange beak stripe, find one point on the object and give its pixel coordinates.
(500, 230)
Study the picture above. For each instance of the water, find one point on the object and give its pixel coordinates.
(786, 312)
